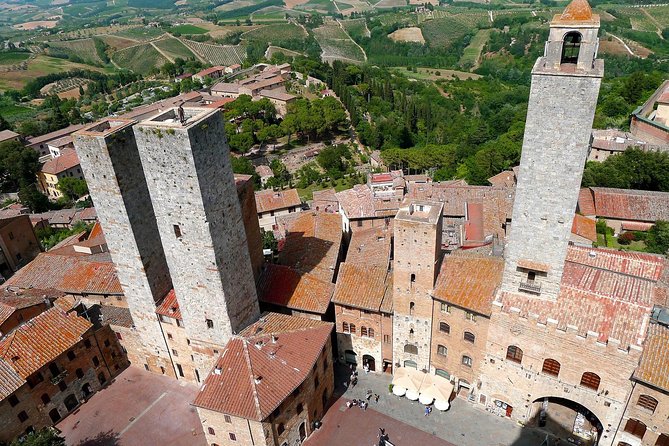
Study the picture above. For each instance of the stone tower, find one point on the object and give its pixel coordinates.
(189, 174)
(109, 156)
(563, 96)
(416, 266)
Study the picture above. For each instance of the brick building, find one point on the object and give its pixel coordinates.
(363, 301)
(272, 204)
(46, 377)
(650, 121)
(18, 307)
(270, 384)
(18, 244)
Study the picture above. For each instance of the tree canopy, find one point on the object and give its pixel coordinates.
(631, 169)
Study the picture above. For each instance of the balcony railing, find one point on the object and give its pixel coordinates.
(58, 378)
(530, 287)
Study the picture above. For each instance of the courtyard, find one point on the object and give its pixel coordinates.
(137, 408)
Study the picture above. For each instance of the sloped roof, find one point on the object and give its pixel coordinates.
(54, 135)
(169, 306)
(506, 178)
(629, 204)
(359, 202)
(586, 202)
(8, 134)
(469, 282)
(578, 11)
(370, 247)
(41, 340)
(9, 380)
(254, 375)
(286, 287)
(9, 303)
(68, 273)
(584, 227)
(269, 200)
(654, 366)
(67, 160)
(361, 286)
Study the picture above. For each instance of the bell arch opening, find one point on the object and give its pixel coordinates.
(571, 46)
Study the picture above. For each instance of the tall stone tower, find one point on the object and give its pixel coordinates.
(563, 96)
(416, 266)
(189, 174)
(109, 156)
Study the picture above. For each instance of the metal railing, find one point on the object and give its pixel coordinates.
(530, 287)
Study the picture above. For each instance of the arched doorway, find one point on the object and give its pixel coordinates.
(71, 402)
(54, 415)
(369, 360)
(350, 357)
(564, 419)
(412, 364)
(86, 390)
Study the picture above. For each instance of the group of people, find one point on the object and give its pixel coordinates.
(360, 403)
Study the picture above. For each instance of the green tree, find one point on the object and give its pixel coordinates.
(4, 125)
(18, 166)
(73, 188)
(34, 199)
(44, 437)
(657, 240)
(269, 241)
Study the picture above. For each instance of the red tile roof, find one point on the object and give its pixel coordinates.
(577, 10)
(67, 160)
(506, 178)
(9, 303)
(361, 286)
(210, 71)
(54, 135)
(359, 202)
(41, 340)
(469, 282)
(286, 287)
(79, 274)
(9, 380)
(626, 204)
(255, 374)
(370, 247)
(269, 200)
(586, 202)
(654, 366)
(584, 227)
(169, 306)
(610, 294)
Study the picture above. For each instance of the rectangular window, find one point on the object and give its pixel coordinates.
(233, 437)
(181, 370)
(359, 223)
(177, 231)
(227, 418)
(13, 400)
(210, 323)
(444, 308)
(386, 339)
(175, 352)
(470, 316)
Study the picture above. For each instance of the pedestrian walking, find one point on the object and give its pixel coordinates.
(427, 411)
(376, 398)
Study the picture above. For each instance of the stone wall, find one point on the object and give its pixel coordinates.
(361, 345)
(18, 242)
(180, 350)
(109, 156)
(191, 183)
(557, 135)
(247, 201)
(656, 421)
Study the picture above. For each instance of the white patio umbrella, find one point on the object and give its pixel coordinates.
(436, 388)
(412, 395)
(425, 399)
(442, 405)
(399, 390)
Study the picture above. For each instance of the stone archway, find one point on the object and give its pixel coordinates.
(369, 360)
(564, 418)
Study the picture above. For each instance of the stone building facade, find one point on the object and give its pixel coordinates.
(189, 175)
(72, 367)
(417, 257)
(18, 244)
(108, 151)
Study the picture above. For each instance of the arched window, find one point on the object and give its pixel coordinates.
(411, 307)
(352, 328)
(370, 332)
(79, 373)
(45, 398)
(411, 333)
(280, 429)
(411, 349)
(514, 354)
(571, 45)
(647, 402)
(413, 278)
(444, 327)
(442, 373)
(551, 367)
(345, 328)
(590, 380)
(469, 337)
(466, 360)
(635, 427)
(442, 350)
(363, 331)
(662, 440)
(211, 431)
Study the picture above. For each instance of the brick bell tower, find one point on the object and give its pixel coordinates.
(563, 96)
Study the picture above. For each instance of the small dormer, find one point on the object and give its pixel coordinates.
(573, 43)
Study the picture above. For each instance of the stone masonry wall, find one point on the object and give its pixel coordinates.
(117, 184)
(557, 134)
(190, 180)
(656, 422)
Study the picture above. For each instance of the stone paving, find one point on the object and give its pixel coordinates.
(138, 408)
(462, 425)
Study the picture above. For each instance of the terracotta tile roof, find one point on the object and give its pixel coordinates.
(584, 227)
(8, 134)
(10, 381)
(115, 316)
(312, 245)
(169, 306)
(654, 366)
(469, 282)
(54, 135)
(67, 160)
(361, 286)
(81, 274)
(625, 204)
(611, 294)
(534, 266)
(269, 200)
(577, 10)
(359, 202)
(10, 302)
(42, 339)
(586, 202)
(254, 375)
(325, 200)
(283, 286)
(370, 247)
(506, 178)
(387, 303)
(210, 71)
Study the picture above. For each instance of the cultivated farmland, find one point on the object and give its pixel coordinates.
(174, 48)
(83, 48)
(356, 28)
(444, 32)
(337, 45)
(470, 57)
(218, 54)
(275, 34)
(140, 59)
(141, 33)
